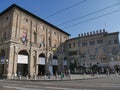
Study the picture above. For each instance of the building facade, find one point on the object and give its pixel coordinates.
(98, 48)
(28, 44)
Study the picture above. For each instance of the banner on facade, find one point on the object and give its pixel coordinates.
(22, 59)
(41, 61)
(54, 62)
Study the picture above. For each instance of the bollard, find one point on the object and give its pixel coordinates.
(40, 77)
(20, 77)
(9, 76)
(35, 77)
(56, 77)
(15, 76)
(27, 77)
(97, 75)
(70, 77)
(44, 77)
(84, 76)
(108, 74)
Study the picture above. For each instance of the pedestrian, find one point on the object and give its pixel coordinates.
(56, 74)
(62, 75)
(49, 75)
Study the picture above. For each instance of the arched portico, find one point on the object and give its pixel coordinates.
(22, 63)
(41, 64)
(55, 64)
(2, 61)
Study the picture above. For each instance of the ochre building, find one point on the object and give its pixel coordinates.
(29, 45)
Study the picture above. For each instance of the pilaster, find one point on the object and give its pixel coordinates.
(15, 60)
(10, 61)
(36, 67)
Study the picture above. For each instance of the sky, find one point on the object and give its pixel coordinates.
(74, 16)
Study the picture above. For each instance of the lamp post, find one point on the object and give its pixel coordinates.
(79, 50)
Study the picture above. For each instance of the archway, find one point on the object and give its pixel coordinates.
(55, 64)
(41, 64)
(2, 61)
(22, 63)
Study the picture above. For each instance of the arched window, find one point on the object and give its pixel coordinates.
(49, 42)
(35, 37)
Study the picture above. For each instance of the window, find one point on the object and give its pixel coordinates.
(84, 43)
(5, 36)
(100, 41)
(96, 50)
(25, 20)
(88, 51)
(92, 43)
(104, 50)
(114, 50)
(72, 53)
(115, 41)
(74, 44)
(35, 37)
(55, 33)
(69, 45)
(49, 41)
(55, 43)
(6, 18)
(44, 28)
(109, 42)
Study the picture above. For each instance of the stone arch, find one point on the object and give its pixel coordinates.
(2, 61)
(55, 64)
(42, 55)
(41, 64)
(22, 63)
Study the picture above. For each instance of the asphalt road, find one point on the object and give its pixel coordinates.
(109, 83)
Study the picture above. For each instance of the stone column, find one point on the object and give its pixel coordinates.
(15, 61)
(10, 62)
(46, 63)
(36, 67)
(30, 64)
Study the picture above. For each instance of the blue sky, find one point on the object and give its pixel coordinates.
(74, 16)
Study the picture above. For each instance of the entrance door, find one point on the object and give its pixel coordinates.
(22, 69)
(41, 64)
(1, 69)
(55, 69)
(41, 69)
(2, 62)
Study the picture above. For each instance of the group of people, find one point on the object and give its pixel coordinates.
(49, 74)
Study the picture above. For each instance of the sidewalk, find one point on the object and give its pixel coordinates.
(71, 77)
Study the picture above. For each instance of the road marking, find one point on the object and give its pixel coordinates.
(60, 88)
(21, 88)
(43, 88)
